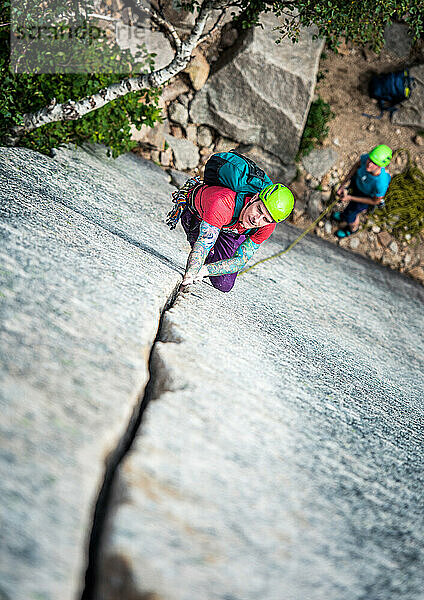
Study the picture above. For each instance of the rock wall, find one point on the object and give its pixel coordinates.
(86, 267)
(261, 92)
(245, 91)
(282, 455)
(281, 451)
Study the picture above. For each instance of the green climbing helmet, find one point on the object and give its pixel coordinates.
(278, 200)
(381, 155)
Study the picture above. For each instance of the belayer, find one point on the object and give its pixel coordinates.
(227, 217)
(364, 186)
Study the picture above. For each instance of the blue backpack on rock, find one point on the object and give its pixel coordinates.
(390, 89)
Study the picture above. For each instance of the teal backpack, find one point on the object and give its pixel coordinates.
(237, 172)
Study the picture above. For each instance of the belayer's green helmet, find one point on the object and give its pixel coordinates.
(381, 155)
(278, 200)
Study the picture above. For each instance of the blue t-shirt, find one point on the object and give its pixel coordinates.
(372, 186)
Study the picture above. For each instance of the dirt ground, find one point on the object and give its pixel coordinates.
(343, 79)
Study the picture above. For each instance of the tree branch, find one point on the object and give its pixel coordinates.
(73, 110)
(214, 27)
(166, 27)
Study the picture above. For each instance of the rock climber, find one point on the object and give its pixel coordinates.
(365, 185)
(220, 246)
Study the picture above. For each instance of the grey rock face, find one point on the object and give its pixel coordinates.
(398, 40)
(314, 205)
(283, 448)
(270, 163)
(411, 112)
(262, 93)
(186, 154)
(204, 136)
(319, 161)
(178, 113)
(285, 432)
(86, 266)
(178, 179)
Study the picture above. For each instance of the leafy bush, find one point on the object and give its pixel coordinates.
(360, 22)
(22, 93)
(316, 129)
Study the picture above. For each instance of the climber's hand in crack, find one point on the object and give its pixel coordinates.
(190, 278)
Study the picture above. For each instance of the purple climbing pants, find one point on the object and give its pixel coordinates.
(225, 247)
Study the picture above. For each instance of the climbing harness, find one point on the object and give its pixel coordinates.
(180, 199)
(324, 212)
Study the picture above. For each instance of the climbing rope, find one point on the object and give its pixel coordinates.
(324, 212)
(403, 212)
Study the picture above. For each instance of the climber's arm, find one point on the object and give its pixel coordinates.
(208, 235)
(232, 265)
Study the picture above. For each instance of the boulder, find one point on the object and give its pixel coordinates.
(300, 190)
(186, 154)
(314, 205)
(174, 89)
(411, 112)
(178, 113)
(191, 132)
(319, 161)
(270, 163)
(260, 92)
(198, 70)
(166, 157)
(178, 179)
(152, 136)
(224, 144)
(204, 136)
(398, 40)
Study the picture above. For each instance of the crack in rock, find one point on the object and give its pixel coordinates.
(154, 387)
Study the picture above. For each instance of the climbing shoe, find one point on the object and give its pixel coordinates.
(343, 233)
(337, 216)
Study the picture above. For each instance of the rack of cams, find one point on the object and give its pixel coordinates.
(403, 212)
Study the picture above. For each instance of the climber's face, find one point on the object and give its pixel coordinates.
(372, 168)
(254, 214)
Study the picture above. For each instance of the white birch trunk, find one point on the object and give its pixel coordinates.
(72, 110)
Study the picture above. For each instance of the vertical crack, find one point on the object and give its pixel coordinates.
(112, 463)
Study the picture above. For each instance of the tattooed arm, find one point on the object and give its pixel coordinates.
(207, 237)
(232, 265)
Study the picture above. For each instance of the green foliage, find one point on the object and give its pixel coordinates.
(316, 128)
(403, 212)
(22, 93)
(360, 22)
